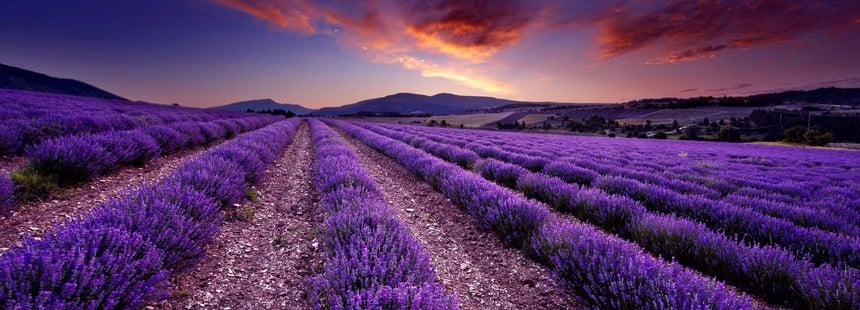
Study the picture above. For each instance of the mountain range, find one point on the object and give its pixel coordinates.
(262, 105)
(410, 104)
(401, 103)
(22, 79)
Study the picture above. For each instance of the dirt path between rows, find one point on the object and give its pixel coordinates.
(263, 262)
(12, 163)
(471, 263)
(35, 218)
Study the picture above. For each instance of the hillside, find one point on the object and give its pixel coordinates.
(21, 79)
(262, 105)
(406, 103)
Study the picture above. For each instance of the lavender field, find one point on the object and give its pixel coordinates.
(117, 205)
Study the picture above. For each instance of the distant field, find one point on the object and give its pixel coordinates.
(666, 116)
(472, 120)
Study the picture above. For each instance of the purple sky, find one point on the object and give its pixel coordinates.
(328, 53)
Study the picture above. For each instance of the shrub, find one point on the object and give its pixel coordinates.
(499, 172)
(732, 134)
(249, 162)
(32, 186)
(191, 133)
(70, 160)
(570, 173)
(169, 140)
(82, 268)
(132, 147)
(216, 177)
(613, 274)
(794, 134)
(817, 137)
(178, 220)
(7, 193)
(11, 138)
(231, 129)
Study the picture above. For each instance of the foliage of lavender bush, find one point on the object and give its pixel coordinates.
(28, 118)
(175, 218)
(10, 138)
(133, 147)
(121, 254)
(371, 259)
(248, 161)
(82, 268)
(70, 160)
(711, 170)
(607, 271)
(169, 140)
(231, 128)
(214, 176)
(570, 173)
(191, 132)
(822, 246)
(74, 159)
(7, 193)
(212, 131)
(616, 275)
(767, 271)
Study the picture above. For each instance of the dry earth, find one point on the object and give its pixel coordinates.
(471, 263)
(267, 249)
(35, 218)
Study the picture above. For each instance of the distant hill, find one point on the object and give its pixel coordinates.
(830, 95)
(406, 103)
(21, 79)
(262, 105)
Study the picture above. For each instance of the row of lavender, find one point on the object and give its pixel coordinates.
(72, 159)
(777, 181)
(770, 272)
(830, 241)
(121, 254)
(606, 271)
(371, 259)
(27, 118)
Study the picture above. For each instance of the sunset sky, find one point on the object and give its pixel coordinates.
(329, 53)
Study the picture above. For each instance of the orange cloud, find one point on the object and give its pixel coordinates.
(296, 20)
(715, 23)
(690, 55)
(471, 30)
(465, 77)
(388, 33)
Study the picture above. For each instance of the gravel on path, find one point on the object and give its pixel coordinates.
(267, 249)
(35, 218)
(472, 264)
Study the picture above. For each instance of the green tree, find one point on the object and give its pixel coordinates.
(794, 134)
(732, 134)
(660, 135)
(692, 132)
(817, 137)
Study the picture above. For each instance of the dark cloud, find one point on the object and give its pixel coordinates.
(689, 90)
(474, 30)
(476, 26)
(714, 23)
(727, 89)
(693, 54)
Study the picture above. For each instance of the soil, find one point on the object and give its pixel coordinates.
(267, 249)
(12, 163)
(471, 263)
(36, 218)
